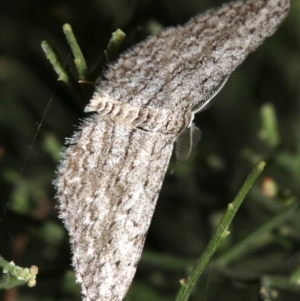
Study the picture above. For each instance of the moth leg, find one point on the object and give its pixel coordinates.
(185, 143)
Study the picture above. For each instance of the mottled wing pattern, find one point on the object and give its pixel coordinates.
(108, 184)
(200, 54)
(111, 174)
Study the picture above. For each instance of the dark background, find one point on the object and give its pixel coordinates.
(193, 198)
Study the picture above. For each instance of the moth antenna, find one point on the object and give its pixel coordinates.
(205, 102)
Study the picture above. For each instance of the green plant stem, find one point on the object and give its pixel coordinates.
(59, 67)
(55, 61)
(110, 53)
(256, 239)
(221, 232)
(15, 274)
(114, 43)
(79, 59)
(269, 132)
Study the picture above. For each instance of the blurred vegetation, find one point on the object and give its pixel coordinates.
(255, 117)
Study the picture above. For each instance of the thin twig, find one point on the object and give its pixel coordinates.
(15, 274)
(78, 56)
(221, 232)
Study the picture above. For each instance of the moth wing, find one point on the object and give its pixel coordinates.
(193, 59)
(108, 184)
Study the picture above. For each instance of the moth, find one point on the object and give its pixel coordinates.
(111, 173)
